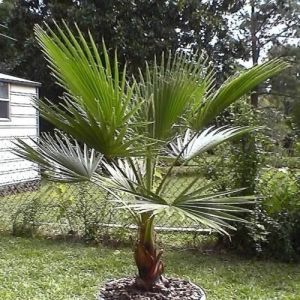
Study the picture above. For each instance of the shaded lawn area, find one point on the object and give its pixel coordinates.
(42, 269)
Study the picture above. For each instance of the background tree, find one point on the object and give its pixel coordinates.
(283, 96)
(259, 25)
(285, 88)
(263, 23)
(5, 38)
(138, 29)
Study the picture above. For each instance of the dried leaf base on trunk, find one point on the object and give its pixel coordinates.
(168, 288)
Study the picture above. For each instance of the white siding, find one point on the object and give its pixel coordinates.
(21, 97)
(22, 89)
(15, 165)
(23, 120)
(17, 130)
(6, 155)
(20, 177)
(23, 123)
(17, 109)
(8, 143)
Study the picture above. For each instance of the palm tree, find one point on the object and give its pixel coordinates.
(115, 130)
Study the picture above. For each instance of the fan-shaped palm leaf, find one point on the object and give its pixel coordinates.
(210, 209)
(190, 145)
(100, 99)
(233, 89)
(179, 82)
(61, 158)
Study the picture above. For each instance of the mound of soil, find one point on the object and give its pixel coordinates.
(168, 288)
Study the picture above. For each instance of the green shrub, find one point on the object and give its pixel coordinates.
(280, 191)
(276, 227)
(274, 224)
(64, 209)
(241, 162)
(25, 220)
(297, 148)
(279, 161)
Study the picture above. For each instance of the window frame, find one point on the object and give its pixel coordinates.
(8, 119)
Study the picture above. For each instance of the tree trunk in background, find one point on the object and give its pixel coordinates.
(254, 50)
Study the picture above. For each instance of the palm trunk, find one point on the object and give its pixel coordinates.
(147, 257)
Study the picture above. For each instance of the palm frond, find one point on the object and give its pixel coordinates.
(126, 173)
(61, 158)
(99, 106)
(128, 177)
(210, 209)
(79, 123)
(214, 211)
(178, 83)
(190, 145)
(233, 89)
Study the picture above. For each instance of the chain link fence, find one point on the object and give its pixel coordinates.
(31, 207)
(85, 210)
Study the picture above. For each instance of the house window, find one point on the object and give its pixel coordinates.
(4, 100)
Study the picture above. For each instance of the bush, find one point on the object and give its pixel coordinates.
(64, 209)
(280, 189)
(242, 159)
(25, 221)
(297, 149)
(273, 227)
(279, 161)
(275, 224)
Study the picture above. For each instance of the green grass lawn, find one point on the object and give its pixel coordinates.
(43, 269)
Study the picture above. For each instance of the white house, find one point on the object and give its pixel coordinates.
(18, 118)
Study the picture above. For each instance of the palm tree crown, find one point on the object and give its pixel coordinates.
(126, 126)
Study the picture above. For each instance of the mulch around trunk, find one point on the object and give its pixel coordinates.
(168, 288)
